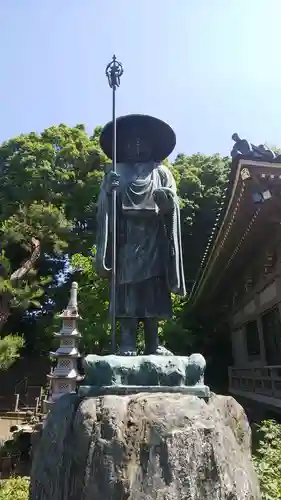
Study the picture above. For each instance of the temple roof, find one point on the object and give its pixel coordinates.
(249, 207)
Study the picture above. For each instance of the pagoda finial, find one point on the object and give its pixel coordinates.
(71, 311)
(73, 296)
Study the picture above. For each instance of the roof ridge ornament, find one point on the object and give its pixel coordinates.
(249, 151)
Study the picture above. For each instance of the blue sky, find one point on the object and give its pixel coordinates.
(208, 67)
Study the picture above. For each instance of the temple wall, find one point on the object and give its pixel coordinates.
(239, 351)
(264, 299)
(268, 294)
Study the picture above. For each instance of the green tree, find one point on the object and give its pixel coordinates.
(201, 181)
(93, 296)
(9, 349)
(49, 185)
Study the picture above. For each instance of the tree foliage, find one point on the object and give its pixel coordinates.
(201, 180)
(267, 460)
(49, 185)
(9, 349)
(93, 304)
(14, 489)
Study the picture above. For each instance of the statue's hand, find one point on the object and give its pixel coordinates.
(112, 181)
(163, 200)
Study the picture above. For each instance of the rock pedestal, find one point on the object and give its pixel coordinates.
(141, 446)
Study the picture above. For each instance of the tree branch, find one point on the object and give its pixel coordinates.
(16, 276)
(27, 265)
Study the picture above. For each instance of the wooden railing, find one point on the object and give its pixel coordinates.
(21, 387)
(31, 400)
(265, 380)
(20, 402)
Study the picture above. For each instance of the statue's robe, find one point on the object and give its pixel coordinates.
(149, 259)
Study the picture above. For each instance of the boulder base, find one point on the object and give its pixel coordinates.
(144, 446)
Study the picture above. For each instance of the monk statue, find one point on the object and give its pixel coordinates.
(149, 263)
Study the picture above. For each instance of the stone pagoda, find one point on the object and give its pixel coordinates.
(65, 376)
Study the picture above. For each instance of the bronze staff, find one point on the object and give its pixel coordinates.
(114, 71)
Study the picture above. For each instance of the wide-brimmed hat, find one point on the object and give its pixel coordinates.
(159, 134)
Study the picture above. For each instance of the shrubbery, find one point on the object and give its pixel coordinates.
(14, 489)
(267, 460)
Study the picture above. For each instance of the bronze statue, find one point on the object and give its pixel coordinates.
(148, 248)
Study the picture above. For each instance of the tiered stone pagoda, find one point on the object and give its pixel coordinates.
(65, 376)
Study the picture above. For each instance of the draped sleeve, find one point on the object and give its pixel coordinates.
(172, 222)
(103, 238)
